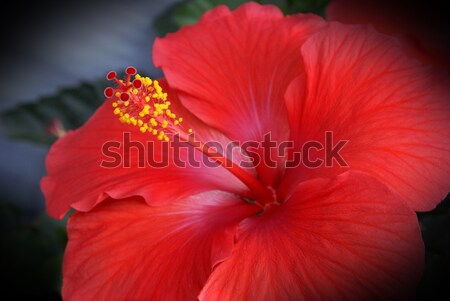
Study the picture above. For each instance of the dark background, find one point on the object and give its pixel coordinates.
(47, 50)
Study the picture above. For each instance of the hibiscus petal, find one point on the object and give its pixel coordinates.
(393, 111)
(126, 250)
(349, 238)
(421, 29)
(232, 69)
(77, 179)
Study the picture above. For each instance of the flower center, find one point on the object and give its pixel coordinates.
(141, 102)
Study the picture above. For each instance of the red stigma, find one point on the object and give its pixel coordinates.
(137, 83)
(111, 75)
(123, 86)
(130, 70)
(124, 96)
(108, 92)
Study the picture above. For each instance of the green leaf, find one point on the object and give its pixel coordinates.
(189, 12)
(307, 6)
(72, 106)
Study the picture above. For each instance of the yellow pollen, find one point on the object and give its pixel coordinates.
(141, 102)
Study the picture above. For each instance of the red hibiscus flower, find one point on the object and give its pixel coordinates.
(422, 28)
(259, 232)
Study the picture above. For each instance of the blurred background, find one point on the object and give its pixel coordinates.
(54, 56)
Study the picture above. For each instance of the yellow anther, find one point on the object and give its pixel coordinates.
(161, 135)
(146, 106)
